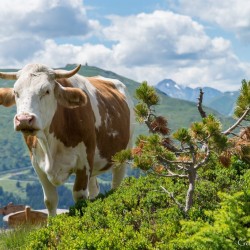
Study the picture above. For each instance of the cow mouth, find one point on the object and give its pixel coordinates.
(29, 131)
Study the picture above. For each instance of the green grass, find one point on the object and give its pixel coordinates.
(9, 179)
(15, 239)
(10, 185)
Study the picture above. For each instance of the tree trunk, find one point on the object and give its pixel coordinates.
(190, 192)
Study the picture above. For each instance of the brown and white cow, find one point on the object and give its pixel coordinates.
(71, 124)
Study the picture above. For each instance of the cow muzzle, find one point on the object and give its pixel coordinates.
(26, 123)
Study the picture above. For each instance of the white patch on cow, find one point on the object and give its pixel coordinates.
(93, 187)
(99, 163)
(58, 161)
(49, 190)
(31, 97)
(80, 194)
(42, 152)
(119, 85)
(114, 133)
(82, 83)
(123, 90)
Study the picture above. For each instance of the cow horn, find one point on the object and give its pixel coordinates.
(8, 75)
(66, 74)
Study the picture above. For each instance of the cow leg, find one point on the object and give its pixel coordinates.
(49, 192)
(93, 187)
(80, 189)
(118, 175)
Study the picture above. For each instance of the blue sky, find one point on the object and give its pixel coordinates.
(195, 43)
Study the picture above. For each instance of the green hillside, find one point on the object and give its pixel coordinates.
(224, 104)
(179, 113)
(13, 152)
(138, 215)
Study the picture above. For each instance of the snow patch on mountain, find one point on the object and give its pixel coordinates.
(223, 102)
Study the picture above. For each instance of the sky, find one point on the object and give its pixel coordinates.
(196, 43)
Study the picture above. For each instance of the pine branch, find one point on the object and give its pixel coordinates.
(235, 134)
(205, 159)
(148, 122)
(171, 147)
(152, 130)
(199, 105)
(170, 172)
(181, 168)
(171, 175)
(237, 123)
(164, 160)
(149, 127)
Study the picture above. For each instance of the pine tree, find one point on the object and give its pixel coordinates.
(157, 153)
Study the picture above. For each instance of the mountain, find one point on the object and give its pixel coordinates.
(223, 102)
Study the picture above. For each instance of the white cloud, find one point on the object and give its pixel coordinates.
(56, 55)
(151, 38)
(44, 18)
(26, 25)
(232, 15)
(148, 47)
(165, 44)
(161, 36)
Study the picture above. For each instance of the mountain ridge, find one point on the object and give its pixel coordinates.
(223, 102)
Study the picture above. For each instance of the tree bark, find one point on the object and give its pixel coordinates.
(191, 188)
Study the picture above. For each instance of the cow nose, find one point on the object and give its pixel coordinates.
(24, 121)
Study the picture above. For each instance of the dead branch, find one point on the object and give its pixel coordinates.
(237, 123)
(149, 127)
(173, 175)
(171, 195)
(162, 159)
(169, 174)
(199, 105)
(206, 158)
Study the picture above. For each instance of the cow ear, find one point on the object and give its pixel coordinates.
(7, 97)
(70, 97)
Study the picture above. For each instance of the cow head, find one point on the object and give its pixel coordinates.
(36, 94)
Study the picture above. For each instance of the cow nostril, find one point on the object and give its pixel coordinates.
(16, 118)
(30, 120)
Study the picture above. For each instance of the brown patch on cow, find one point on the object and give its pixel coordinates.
(73, 126)
(31, 142)
(114, 132)
(70, 97)
(7, 97)
(81, 180)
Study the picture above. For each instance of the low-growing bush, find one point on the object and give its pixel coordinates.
(140, 215)
(133, 217)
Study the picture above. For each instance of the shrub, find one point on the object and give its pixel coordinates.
(139, 215)
(133, 217)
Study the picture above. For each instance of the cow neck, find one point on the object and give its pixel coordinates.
(43, 141)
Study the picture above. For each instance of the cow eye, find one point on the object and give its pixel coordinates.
(47, 92)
